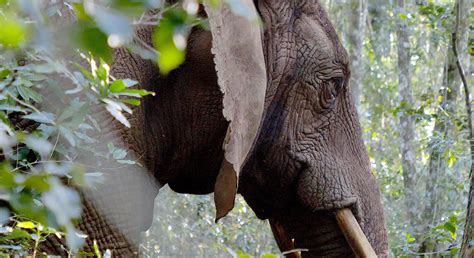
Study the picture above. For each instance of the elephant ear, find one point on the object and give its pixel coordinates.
(240, 65)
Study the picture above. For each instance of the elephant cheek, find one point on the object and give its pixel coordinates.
(266, 187)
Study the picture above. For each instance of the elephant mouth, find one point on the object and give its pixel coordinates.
(313, 234)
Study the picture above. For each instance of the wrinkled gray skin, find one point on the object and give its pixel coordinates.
(308, 158)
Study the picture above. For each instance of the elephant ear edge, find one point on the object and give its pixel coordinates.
(241, 71)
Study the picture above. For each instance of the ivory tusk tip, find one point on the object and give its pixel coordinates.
(354, 235)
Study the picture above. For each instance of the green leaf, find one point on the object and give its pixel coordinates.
(16, 234)
(85, 72)
(12, 32)
(115, 110)
(213, 3)
(111, 147)
(26, 224)
(134, 7)
(7, 179)
(96, 249)
(450, 227)
(102, 72)
(4, 73)
(27, 93)
(75, 113)
(41, 117)
(454, 252)
(409, 238)
(170, 56)
(93, 40)
(68, 135)
(402, 16)
(39, 145)
(81, 12)
(117, 86)
(136, 92)
(28, 207)
(7, 107)
(129, 82)
(119, 153)
(113, 23)
(134, 102)
(63, 201)
(451, 160)
(453, 218)
(78, 175)
(241, 254)
(37, 182)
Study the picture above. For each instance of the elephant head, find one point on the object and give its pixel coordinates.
(308, 158)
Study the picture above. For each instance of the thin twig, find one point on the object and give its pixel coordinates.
(467, 95)
(23, 103)
(55, 145)
(295, 251)
(431, 253)
(146, 46)
(85, 165)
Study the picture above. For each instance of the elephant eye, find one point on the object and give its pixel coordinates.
(338, 83)
(329, 92)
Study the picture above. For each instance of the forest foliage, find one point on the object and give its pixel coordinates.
(54, 74)
(49, 86)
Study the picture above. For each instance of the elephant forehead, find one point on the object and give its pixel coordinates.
(301, 31)
(310, 35)
(315, 52)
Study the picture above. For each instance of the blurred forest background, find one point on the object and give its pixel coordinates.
(405, 82)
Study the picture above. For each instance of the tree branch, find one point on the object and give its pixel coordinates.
(466, 88)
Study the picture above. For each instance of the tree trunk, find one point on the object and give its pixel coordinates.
(356, 35)
(459, 46)
(467, 249)
(407, 133)
(379, 29)
(438, 144)
(376, 32)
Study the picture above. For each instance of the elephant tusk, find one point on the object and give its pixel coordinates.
(353, 233)
(284, 242)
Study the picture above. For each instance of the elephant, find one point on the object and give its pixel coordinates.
(307, 160)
